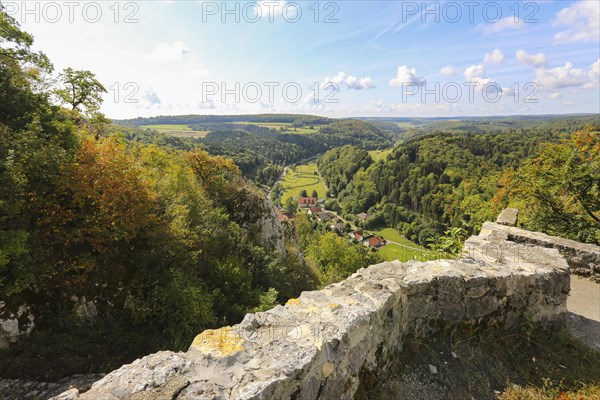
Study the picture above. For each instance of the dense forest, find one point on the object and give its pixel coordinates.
(107, 230)
(258, 150)
(441, 178)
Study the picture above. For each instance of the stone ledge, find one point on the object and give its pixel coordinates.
(583, 258)
(320, 345)
(508, 216)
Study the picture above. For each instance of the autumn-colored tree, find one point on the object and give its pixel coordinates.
(89, 225)
(212, 171)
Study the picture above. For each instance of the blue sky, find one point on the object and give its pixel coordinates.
(388, 58)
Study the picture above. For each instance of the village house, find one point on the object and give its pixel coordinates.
(324, 216)
(314, 210)
(356, 235)
(363, 216)
(374, 242)
(306, 202)
(338, 227)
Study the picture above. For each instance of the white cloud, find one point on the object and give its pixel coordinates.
(207, 105)
(311, 103)
(503, 24)
(175, 51)
(351, 82)
(554, 95)
(407, 76)
(474, 72)
(495, 57)
(151, 97)
(583, 22)
(594, 73)
(477, 74)
(535, 60)
(568, 103)
(560, 77)
(448, 70)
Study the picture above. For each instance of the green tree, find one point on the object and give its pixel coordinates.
(291, 206)
(314, 194)
(80, 89)
(560, 189)
(303, 193)
(337, 258)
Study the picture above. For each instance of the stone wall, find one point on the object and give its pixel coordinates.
(325, 343)
(583, 258)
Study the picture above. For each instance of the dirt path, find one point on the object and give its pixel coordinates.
(583, 305)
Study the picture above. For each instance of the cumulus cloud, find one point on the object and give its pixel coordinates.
(407, 76)
(477, 74)
(535, 60)
(554, 95)
(561, 77)
(495, 57)
(474, 72)
(448, 70)
(311, 103)
(175, 51)
(508, 23)
(349, 81)
(583, 21)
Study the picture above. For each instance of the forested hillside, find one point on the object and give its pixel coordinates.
(446, 178)
(102, 236)
(260, 144)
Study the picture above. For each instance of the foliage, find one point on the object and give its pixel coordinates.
(337, 258)
(435, 181)
(164, 242)
(80, 89)
(560, 188)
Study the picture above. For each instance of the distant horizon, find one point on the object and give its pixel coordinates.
(358, 117)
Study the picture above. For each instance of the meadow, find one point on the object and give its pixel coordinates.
(402, 249)
(283, 127)
(176, 130)
(300, 178)
(380, 154)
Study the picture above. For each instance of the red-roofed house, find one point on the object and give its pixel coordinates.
(356, 235)
(375, 241)
(307, 202)
(314, 210)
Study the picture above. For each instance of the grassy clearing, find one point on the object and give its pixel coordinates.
(405, 124)
(403, 249)
(302, 177)
(380, 154)
(392, 251)
(534, 363)
(284, 127)
(176, 130)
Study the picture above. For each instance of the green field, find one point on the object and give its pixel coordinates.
(380, 154)
(403, 249)
(284, 127)
(405, 124)
(302, 177)
(176, 130)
